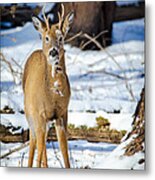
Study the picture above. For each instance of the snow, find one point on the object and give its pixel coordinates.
(117, 160)
(17, 120)
(133, 30)
(117, 121)
(82, 154)
(126, 3)
(13, 98)
(102, 83)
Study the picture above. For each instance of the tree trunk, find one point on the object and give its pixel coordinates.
(90, 18)
(138, 129)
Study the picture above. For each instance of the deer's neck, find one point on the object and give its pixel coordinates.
(62, 60)
(51, 76)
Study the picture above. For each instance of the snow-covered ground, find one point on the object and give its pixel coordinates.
(82, 154)
(102, 82)
(117, 160)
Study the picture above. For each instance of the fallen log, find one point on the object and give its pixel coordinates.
(16, 15)
(96, 134)
(130, 12)
(11, 134)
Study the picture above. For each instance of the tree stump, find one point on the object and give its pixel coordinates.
(91, 18)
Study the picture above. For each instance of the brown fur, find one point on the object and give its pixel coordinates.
(42, 104)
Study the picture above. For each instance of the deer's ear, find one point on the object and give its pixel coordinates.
(67, 23)
(38, 24)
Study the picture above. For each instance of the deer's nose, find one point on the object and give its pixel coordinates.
(54, 52)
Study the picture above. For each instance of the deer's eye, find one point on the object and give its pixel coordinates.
(47, 39)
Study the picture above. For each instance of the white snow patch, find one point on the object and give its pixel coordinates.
(16, 120)
(117, 159)
(81, 153)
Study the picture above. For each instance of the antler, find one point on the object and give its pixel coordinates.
(46, 19)
(61, 17)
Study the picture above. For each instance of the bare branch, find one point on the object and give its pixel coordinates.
(114, 60)
(9, 65)
(17, 64)
(56, 155)
(105, 72)
(73, 37)
(14, 150)
(116, 55)
(94, 41)
(14, 73)
(91, 39)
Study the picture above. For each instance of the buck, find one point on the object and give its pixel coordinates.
(46, 88)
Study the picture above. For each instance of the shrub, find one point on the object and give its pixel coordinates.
(101, 121)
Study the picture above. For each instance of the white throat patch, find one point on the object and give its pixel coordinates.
(53, 61)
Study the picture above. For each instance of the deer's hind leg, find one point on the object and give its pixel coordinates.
(44, 158)
(32, 148)
(62, 139)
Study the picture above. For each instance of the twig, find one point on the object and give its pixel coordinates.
(56, 155)
(90, 40)
(97, 36)
(17, 64)
(12, 70)
(128, 87)
(9, 65)
(22, 159)
(73, 37)
(14, 150)
(94, 41)
(116, 55)
(71, 158)
(105, 72)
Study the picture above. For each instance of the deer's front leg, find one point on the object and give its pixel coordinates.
(62, 139)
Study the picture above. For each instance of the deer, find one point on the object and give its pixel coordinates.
(46, 88)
